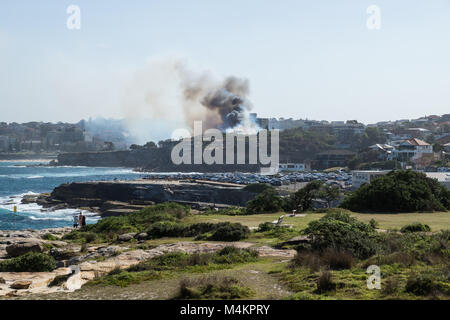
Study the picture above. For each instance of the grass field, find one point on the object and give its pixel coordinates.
(436, 220)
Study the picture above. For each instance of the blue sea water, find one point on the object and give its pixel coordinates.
(20, 178)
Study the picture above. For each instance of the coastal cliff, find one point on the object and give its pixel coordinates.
(133, 195)
(151, 160)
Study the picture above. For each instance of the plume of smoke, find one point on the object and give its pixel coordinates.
(167, 90)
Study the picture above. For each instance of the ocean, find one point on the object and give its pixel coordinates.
(19, 178)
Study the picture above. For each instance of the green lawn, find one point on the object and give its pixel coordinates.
(436, 220)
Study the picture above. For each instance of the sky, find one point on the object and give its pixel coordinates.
(303, 59)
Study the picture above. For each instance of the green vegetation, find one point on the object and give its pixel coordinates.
(224, 231)
(158, 221)
(29, 262)
(341, 232)
(400, 191)
(267, 201)
(416, 227)
(412, 264)
(49, 236)
(213, 288)
(257, 187)
(170, 264)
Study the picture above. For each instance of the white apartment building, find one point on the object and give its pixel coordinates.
(294, 167)
(411, 149)
(365, 176)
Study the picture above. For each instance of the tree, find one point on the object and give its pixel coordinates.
(399, 191)
(266, 201)
(302, 199)
(329, 193)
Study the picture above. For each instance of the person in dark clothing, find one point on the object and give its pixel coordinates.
(82, 219)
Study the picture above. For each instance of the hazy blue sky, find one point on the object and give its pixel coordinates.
(304, 59)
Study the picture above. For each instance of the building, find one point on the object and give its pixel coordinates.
(294, 167)
(365, 176)
(384, 150)
(442, 177)
(411, 149)
(332, 158)
(4, 143)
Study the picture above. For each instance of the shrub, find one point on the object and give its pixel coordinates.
(337, 260)
(257, 187)
(373, 223)
(49, 236)
(266, 226)
(399, 191)
(231, 255)
(325, 282)
(227, 231)
(213, 287)
(405, 259)
(329, 259)
(341, 232)
(391, 286)
(415, 227)
(166, 229)
(266, 201)
(138, 221)
(29, 262)
(421, 285)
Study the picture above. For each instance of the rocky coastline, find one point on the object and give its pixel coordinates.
(77, 265)
(115, 198)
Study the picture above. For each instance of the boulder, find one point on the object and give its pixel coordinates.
(126, 237)
(142, 236)
(18, 285)
(29, 198)
(2, 281)
(20, 248)
(297, 240)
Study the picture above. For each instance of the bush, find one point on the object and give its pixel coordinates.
(266, 226)
(341, 232)
(29, 262)
(231, 255)
(257, 187)
(415, 227)
(399, 191)
(138, 221)
(181, 260)
(227, 231)
(166, 229)
(329, 259)
(325, 282)
(49, 236)
(213, 287)
(266, 201)
(421, 285)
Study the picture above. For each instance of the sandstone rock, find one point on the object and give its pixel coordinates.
(126, 237)
(20, 248)
(20, 285)
(297, 240)
(142, 236)
(59, 243)
(29, 198)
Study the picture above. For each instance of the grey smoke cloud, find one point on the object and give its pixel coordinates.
(166, 89)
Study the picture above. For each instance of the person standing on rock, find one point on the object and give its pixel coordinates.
(83, 221)
(75, 221)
